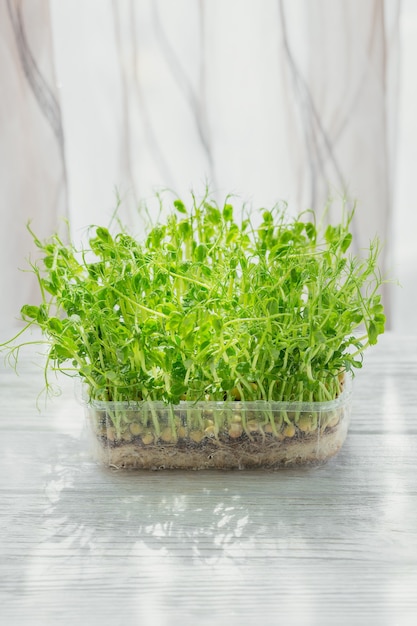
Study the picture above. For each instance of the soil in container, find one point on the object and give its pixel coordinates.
(244, 435)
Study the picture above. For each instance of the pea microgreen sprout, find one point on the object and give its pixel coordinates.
(209, 308)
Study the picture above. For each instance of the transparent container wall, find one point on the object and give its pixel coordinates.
(221, 435)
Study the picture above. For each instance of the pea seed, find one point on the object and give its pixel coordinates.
(111, 434)
(196, 435)
(304, 424)
(289, 430)
(166, 435)
(147, 438)
(235, 431)
(334, 422)
(182, 432)
(136, 429)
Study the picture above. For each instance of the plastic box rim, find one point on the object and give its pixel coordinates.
(255, 405)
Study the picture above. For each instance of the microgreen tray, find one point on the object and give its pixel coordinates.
(220, 435)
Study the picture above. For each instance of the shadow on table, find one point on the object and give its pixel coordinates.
(207, 515)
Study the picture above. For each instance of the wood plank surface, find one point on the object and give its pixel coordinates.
(335, 544)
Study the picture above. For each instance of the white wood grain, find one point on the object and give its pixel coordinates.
(335, 544)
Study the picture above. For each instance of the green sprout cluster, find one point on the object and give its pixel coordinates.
(209, 307)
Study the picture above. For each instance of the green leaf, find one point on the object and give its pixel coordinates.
(155, 236)
(29, 312)
(332, 234)
(177, 390)
(150, 326)
(206, 270)
(268, 217)
(180, 206)
(42, 314)
(213, 214)
(49, 286)
(167, 308)
(188, 323)
(311, 231)
(174, 321)
(243, 368)
(55, 325)
(95, 270)
(232, 235)
(66, 350)
(104, 235)
(347, 240)
(223, 369)
(178, 370)
(48, 261)
(228, 212)
(200, 252)
(380, 319)
(377, 308)
(184, 228)
(272, 306)
(111, 375)
(216, 322)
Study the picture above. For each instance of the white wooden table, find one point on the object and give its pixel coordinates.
(334, 545)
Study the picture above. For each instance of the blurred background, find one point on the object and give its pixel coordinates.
(295, 100)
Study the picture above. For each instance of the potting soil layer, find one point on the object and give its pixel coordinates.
(259, 451)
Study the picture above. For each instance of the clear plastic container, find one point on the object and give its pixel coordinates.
(219, 435)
